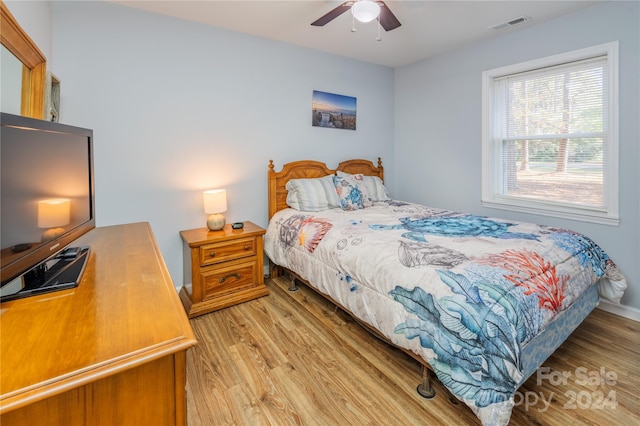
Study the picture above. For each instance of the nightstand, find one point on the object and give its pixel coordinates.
(221, 268)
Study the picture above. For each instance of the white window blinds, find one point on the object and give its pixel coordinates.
(550, 135)
(553, 124)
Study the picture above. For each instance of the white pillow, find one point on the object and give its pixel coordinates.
(312, 195)
(375, 188)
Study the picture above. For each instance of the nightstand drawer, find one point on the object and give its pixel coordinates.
(228, 250)
(220, 281)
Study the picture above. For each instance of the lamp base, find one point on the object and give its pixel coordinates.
(215, 222)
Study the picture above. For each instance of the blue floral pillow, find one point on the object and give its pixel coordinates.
(375, 187)
(352, 192)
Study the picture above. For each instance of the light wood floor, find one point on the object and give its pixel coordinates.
(293, 359)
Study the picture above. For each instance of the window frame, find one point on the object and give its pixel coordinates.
(491, 147)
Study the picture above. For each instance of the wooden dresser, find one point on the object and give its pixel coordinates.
(222, 268)
(111, 351)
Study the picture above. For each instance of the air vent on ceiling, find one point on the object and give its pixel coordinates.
(511, 23)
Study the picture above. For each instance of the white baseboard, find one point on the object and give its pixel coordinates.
(621, 310)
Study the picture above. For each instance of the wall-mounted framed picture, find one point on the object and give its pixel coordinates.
(52, 98)
(333, 111)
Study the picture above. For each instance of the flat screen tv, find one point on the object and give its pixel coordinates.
(47, 202)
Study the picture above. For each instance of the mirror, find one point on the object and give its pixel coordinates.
(34, 64)
(10, 81)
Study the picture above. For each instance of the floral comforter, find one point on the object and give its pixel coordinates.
(464, 292)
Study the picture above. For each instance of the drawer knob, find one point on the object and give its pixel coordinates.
(246, 247)
(234, 275)
(212, 254)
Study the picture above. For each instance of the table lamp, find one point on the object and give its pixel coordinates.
(215, 203)
(53, 214)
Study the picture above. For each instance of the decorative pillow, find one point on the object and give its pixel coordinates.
(352, 192)
(312, 195)
(375, 187)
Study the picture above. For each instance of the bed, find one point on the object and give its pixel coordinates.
(482, 302)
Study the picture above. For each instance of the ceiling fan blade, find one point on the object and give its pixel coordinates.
(333, 14)
(387, 19)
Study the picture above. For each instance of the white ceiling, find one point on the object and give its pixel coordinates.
(428, 27)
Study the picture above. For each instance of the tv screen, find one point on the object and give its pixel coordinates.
(47, 194)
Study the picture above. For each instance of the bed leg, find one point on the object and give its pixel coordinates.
(293, 286)
(425, 389)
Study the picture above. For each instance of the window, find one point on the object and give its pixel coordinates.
(550, 136)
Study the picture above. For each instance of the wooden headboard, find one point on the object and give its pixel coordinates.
(311, 169)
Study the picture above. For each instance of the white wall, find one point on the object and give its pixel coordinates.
(178, 107)
(438, 124)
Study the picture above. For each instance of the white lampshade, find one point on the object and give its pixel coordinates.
(215, 202)
(54, 213)
(365, 10)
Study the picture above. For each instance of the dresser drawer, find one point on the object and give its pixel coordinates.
(228, 250)
(219, 281)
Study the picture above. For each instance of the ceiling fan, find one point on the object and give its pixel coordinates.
(363, 11)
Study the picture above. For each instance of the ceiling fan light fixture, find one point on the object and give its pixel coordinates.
(365, 10)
